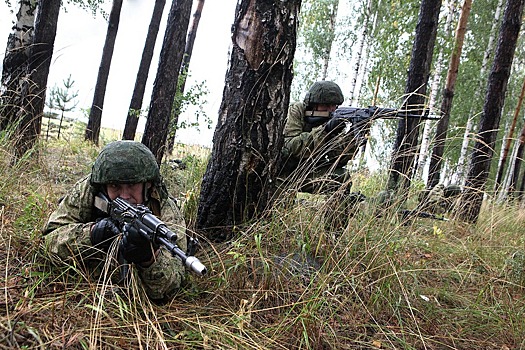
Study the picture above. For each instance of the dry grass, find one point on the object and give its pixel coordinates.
(375, 284)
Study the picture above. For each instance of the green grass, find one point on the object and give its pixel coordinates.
(377, 283)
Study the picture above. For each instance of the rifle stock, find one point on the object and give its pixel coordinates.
(150, 227)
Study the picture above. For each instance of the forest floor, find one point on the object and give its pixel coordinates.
(287, 281)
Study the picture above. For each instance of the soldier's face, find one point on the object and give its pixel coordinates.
(133, 193)
(326, 108)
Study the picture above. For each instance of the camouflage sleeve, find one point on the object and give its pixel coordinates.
(164, 277)
(435, 200)
(67, 232)
(298, 142)
(67, 236)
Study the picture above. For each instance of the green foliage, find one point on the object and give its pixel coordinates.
(94, 6)
(34, 210)
(316, 36)
(63, 98)
(195, 96)
(184, 180)
(316, 29)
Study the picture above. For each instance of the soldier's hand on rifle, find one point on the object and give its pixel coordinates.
(136, 248)
(335, 125)
(103, 232)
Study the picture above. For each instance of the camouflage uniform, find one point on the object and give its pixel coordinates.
(304, 141)
(324, 155)
(68, 230)
(440, 199)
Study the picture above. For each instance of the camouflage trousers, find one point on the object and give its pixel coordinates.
(334, 184)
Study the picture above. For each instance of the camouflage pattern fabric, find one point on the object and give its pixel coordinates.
(324, 156)
(440, 199)
(125, 161)
(324, 92)
(67, 238)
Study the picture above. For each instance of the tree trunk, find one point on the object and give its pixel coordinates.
(135, 105)
(95, 114)
(434, 89)
(16, 60)
(359, 54)
(508, 187)
(328, 47)
(448, 95)
(165, 86)
(190, 41)
(522, 184)
(497, 85)
(237, 185)
(462, 162)
(29, 117)
(517, 165)
(405, 147)
(508, 141)
(60, 125)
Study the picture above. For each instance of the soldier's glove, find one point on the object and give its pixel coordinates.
(134, 247)
(103, 233)
(335, 125)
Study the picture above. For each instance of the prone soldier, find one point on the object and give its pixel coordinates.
(77, 231)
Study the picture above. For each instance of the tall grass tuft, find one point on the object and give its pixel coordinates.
(291, 280)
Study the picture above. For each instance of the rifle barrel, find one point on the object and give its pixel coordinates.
(374, 112)
(122, 210)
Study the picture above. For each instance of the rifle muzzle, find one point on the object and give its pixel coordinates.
(196, 266)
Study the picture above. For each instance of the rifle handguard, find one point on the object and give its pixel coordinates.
(149, 226)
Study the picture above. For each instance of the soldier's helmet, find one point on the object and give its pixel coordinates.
(125, 162)
(324, 92)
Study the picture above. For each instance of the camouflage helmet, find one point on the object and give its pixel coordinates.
(324, 92)
(125, 162)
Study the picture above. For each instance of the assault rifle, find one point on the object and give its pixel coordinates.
(407, 214)
(360, 118)
(141, 218)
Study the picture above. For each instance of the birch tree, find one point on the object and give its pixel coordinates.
(448, 95)
(359, 58)
(15, 61)
(405, 147)
(33, 91)
(434, 91)
(489, 123)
